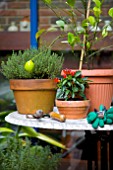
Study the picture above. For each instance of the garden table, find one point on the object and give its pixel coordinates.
(103, 140)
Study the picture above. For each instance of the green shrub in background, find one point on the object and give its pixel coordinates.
(18, 155)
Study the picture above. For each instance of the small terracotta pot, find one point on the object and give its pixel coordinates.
(34, 94)
(73, 109)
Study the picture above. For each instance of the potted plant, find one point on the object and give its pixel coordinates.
(71, 99)
(85, 36)
(31, 74)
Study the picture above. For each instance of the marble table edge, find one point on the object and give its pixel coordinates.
(47, 123)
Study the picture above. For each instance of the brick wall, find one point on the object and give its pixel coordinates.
(15, 10)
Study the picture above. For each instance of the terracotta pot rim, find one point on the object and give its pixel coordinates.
(61, 103)
(96, 72)
(32, 84)
(31, 80)
(72, 100)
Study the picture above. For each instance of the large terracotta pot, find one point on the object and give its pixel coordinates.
(73, 109)
(101, 87)
(34, 94)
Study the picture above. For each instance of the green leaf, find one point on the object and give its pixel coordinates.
(85, 78)
(48, 1)
(77, 39)
(67, 92)
(97, 2)
(78, 73)
(69, 84)
(39, 33)
(73, 95)
(88, 45)
(96, 38)
(82, 87)
(71, 3)
(97, 11)
(75, 89)
(23, 134)
(92, 20)
(82, 95)
(4, 113)
(77, 82)
(63, 88)
(85, 23)
(32, 133)
(59, 94)
(104, 33)
(60, 23)
(5, 129)
(110, 12)
(64, 82)
(74, 80)
(71, 39)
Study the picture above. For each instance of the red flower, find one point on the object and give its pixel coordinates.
(56, 80)
(72, 72)
(66, 71)
(64, 75)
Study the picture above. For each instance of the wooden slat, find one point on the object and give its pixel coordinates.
(50, 36)
(21, 41)
(14, 40)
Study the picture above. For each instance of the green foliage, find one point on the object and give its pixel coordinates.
(22, 155)
(84, 38)
(110, 12)
(71, 3)
(72, 86)
(60, 23)
(47, 64)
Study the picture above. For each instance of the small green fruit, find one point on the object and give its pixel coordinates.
(29, 66)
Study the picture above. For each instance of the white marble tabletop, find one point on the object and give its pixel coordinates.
(48, 123)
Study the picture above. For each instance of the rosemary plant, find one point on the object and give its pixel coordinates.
(47, 64)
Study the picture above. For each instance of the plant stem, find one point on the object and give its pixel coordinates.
(56, 39)
(84, 37)
(18, 130)
(98, 51)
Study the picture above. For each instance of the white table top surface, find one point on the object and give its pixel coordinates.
(48, 123)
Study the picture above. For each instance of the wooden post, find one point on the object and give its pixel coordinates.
(84, 37)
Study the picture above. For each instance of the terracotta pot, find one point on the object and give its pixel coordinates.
(34, 94)
(73, 109)
(101, 87)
